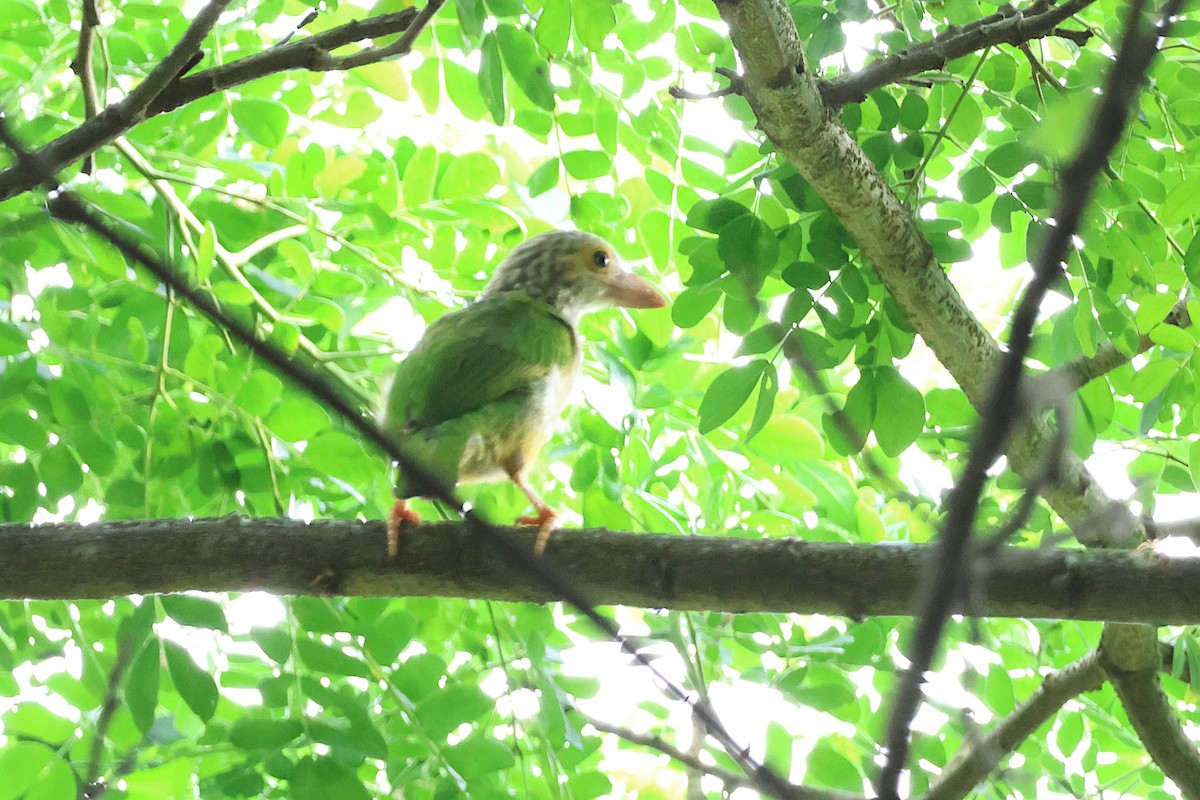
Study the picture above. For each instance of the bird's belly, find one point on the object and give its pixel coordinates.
(517, 431)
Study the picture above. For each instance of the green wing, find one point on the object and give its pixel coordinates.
(470, 358)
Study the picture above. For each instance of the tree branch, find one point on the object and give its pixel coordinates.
(169, 92)
(982, 756)
(82, 65)
(1007, 26)
(1082, 370)
(715, 573)
(1131, 659)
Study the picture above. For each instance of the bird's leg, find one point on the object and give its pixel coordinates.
(546, 519)
(401, 512)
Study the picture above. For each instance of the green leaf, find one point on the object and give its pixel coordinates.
(321, 657)
(444, 710)
(779, 748)
(827, 767)
(297, 418)
(594, 20)
(275, 643)
(195, 685)
(553, 30)
(749, 248)
(1153, 309)
(141, 684)
(60, 471)
(693, 305)
(259, 393)
(728, 392)
(471, 175)
(263, 121)
(713, 215)
(768, 388)
(21, 429)
(12, 340)
(264, 734)
(194, 610)
(33, 771)
(322, 778)
(491, 77)
(529, 70)
(419, 177)
(899, 412)
(587, 164)
(544, 178)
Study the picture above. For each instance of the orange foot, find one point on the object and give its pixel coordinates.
(547, 522)
(401, 512)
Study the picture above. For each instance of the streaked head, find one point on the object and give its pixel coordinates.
(575, 272)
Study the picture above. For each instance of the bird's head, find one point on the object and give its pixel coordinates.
(573, 271)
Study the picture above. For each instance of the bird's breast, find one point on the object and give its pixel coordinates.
(512, 443)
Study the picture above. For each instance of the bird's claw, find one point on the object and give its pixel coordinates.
(547, 522)
(401, 512)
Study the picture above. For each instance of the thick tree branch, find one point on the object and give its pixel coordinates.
(169, 91)
(981, 757)
(1007, 26)
(716, 573)
(1131, 659)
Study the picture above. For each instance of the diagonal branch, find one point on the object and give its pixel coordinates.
(973, 765)
(1007, 26)
(1079, 372)
(163, 90)
(1131, 659)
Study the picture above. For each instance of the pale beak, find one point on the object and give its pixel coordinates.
(629, 291)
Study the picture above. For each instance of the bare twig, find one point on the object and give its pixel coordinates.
(308, 17)
(1007, 26)
(82, 66)
(983, 755)
(1003, 409)
(372, 55)
(67, 207)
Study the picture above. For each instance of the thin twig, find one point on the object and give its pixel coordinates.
(373, 55)
(83, 68)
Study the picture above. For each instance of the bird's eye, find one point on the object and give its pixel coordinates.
(600, 259)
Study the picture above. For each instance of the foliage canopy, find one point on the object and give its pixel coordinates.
(340, 210)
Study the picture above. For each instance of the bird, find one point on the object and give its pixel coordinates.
(481, 392)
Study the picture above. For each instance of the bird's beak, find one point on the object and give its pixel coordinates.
(629, 291)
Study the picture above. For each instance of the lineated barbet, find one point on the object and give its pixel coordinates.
(481, 392)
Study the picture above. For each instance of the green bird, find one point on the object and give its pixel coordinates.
(479, 395)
